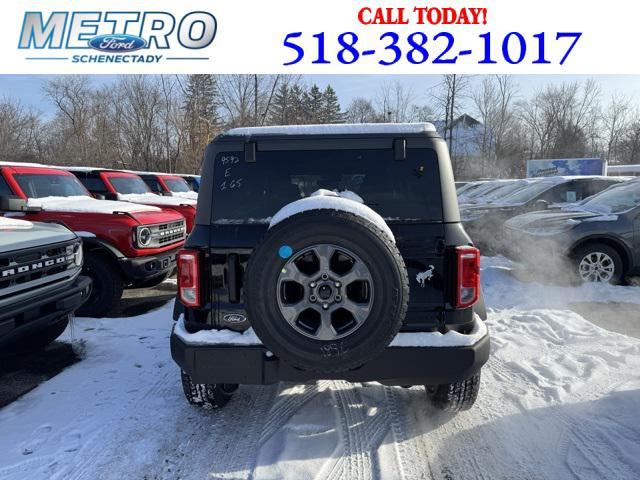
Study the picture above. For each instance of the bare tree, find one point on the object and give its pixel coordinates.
(615, 121)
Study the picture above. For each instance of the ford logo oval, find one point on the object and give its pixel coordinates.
(117, 43)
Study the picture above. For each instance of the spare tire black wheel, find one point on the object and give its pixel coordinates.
(326, 290)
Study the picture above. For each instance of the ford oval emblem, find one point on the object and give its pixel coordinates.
(117, 43)
(234, 318)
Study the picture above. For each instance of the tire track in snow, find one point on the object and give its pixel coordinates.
(286, 406)
(360, 436)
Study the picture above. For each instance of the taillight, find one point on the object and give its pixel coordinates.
(188, 278)
(468, 280)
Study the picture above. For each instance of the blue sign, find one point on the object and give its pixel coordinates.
(566, 167)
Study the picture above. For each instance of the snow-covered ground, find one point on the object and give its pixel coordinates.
(560, 399)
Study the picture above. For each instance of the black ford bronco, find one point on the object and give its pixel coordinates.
(40, 281)
(329, 252)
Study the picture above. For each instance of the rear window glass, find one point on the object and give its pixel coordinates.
(398, 190)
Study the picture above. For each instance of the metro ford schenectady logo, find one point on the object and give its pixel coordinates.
(117, 43)
(116, 37)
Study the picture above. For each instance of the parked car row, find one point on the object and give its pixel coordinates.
(586, 226)
(106, 224)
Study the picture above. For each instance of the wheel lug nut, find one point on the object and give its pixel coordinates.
(337, 284)
(338, 298)
(325, 306)
(312, 298)
(312, 285)
(325, 276)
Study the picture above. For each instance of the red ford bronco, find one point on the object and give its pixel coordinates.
(125, 245)
(126, 186)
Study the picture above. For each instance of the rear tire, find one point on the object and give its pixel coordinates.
(454, 397)
(207, 396)
(106, 290)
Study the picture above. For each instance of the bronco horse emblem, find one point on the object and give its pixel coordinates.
(425, 276)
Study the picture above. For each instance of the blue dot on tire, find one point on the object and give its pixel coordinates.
(285, 251)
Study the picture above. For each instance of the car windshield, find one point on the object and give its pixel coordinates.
(505, 190)
(617, 199)
(485, 189)
(177, 185)
(527, 193)
(470, 187)
(128, 185)
(38, 185)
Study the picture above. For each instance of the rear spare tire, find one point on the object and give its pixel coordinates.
(326, 290)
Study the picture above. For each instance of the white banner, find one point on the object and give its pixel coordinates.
(331, 36)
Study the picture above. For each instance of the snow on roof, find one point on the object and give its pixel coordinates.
(335, 129)
(26, 164)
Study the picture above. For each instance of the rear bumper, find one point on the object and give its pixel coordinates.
(144, 268)
(254, 364)
(41, 310)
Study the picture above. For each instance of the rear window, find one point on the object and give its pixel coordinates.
(398, 190)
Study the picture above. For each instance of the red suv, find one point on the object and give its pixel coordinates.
(167, 184)
(125, 245)
(129, 187)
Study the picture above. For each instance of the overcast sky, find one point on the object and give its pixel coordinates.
(28, 88)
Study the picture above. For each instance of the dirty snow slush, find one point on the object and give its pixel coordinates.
(559, 399)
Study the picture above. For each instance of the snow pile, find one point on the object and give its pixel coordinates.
(153, 199)
(437, 339)
(85, 204)
(187, 195)
(328, 200)
(329, 129)
(9, 223)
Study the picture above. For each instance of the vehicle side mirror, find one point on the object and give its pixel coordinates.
(111, 196)
(541, 204)
(16, 204)
(99, 196)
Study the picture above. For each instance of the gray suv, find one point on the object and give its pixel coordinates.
(599, 238)
(40, 281)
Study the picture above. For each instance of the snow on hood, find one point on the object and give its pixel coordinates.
(85, 204)
(188, 195)
(8, 223)
(327, 200)
(153, 199)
